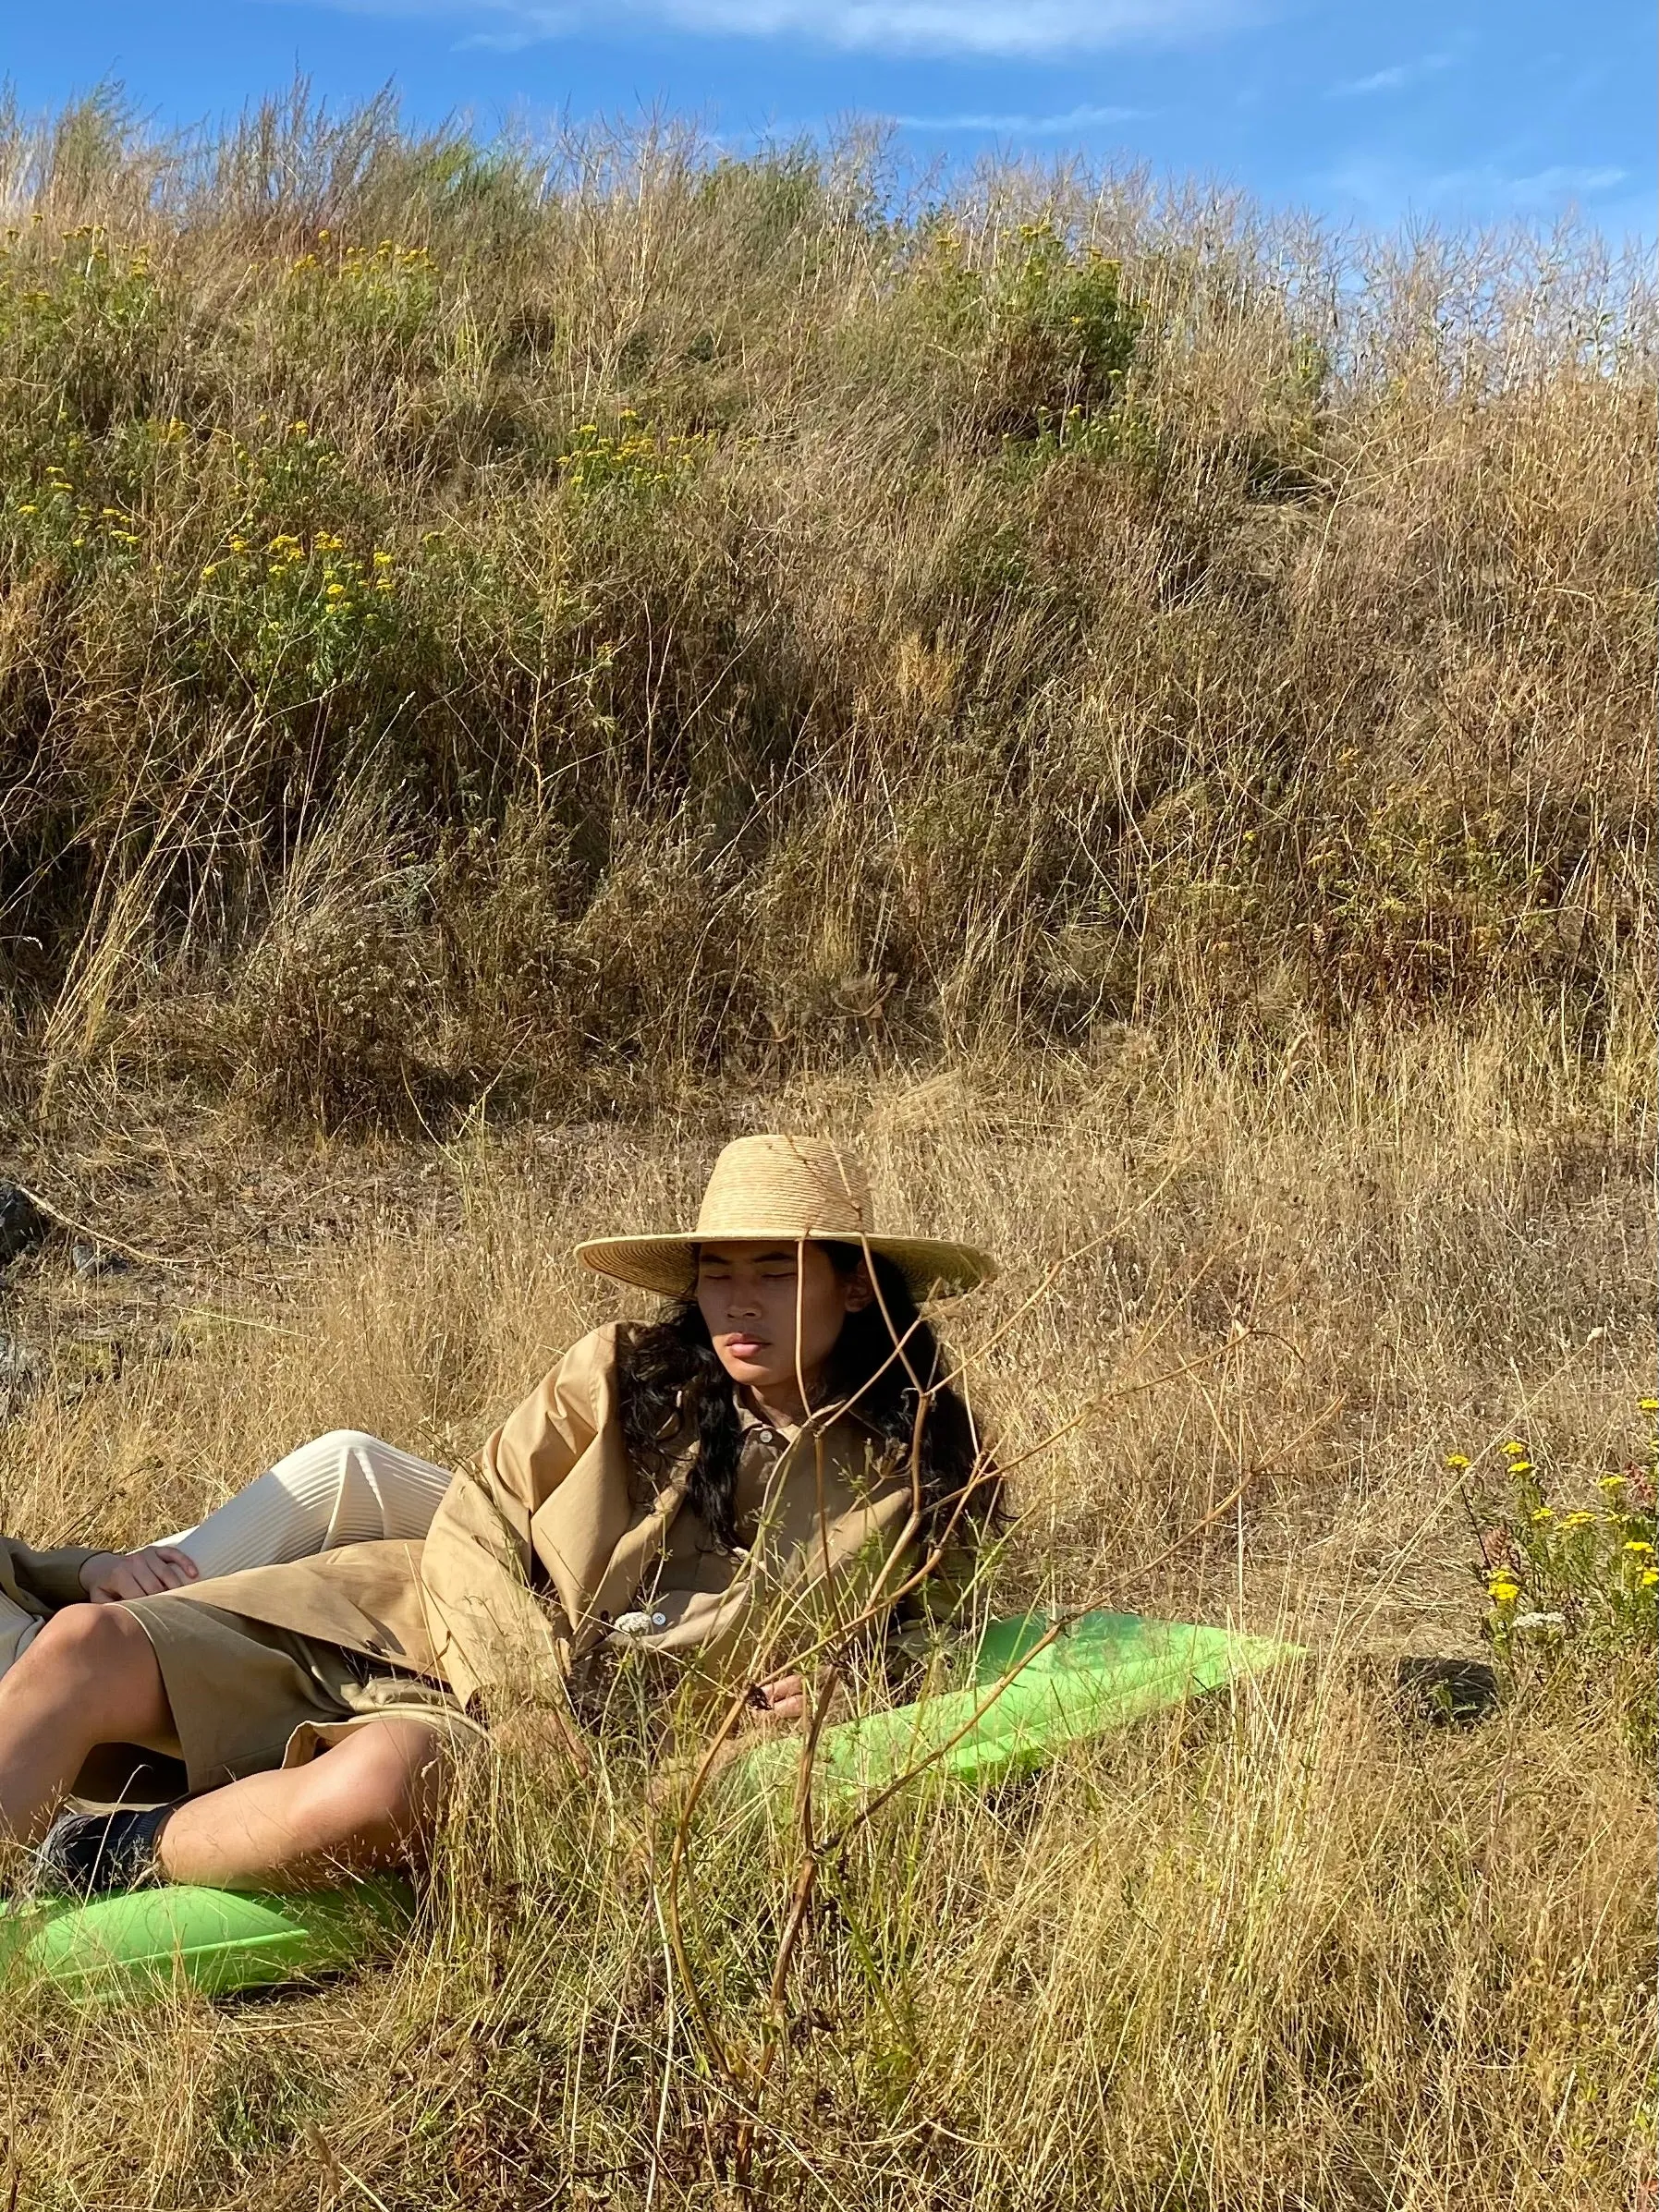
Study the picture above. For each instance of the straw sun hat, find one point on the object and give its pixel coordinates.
(790, 1189)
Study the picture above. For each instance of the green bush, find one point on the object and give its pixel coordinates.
(1574, 1588)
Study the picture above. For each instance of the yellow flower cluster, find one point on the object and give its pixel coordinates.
(57, 500)
(356, 262)
(284, 553)
(633, 456)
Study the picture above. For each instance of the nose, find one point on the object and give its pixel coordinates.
(743, 1302)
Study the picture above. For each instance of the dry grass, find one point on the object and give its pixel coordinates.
(1286, 1951)
(553, 624)
(1142, 714)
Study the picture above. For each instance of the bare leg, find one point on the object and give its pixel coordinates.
(367, 1804)
(90, 1677)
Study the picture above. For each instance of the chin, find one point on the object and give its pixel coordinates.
(748, 1372)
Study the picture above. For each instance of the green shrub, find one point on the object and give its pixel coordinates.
(1575, 1588)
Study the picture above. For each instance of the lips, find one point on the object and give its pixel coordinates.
(745, 1347)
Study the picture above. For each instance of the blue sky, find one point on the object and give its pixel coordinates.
(1450, 110)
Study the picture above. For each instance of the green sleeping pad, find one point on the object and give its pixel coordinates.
(1102, 1671)
(215, 1941)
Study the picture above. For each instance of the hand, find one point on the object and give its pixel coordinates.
(782, 1698)
(109, 1576)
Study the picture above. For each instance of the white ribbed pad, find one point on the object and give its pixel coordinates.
(345, 1487)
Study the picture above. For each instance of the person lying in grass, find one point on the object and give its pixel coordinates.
(729, 1489)
(345, 1487)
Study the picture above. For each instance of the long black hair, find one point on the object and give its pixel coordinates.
(674, 1392)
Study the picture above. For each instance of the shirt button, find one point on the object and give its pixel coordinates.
(765, 1436)
(659, 1619)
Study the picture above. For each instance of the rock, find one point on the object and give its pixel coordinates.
(1446, 1693)
(22, 1224)
(89, 1259)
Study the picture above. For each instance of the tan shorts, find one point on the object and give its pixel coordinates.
(247, 1697)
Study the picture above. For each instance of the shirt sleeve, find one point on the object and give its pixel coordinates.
(50, 1578)
(489, 1627)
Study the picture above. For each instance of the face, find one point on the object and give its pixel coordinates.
(774, 1311)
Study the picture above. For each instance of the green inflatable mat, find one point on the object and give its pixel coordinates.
(216, 1942)
(1102, 1671)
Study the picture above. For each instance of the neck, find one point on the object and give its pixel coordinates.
(781, 1402)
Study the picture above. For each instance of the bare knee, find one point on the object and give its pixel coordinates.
(85, 1645)
(382, 1784)
(95, 1665)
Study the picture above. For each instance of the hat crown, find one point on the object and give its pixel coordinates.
(786, 1186)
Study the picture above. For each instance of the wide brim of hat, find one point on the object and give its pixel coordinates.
(931, 1267)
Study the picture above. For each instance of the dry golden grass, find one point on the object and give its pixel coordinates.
(1285, 1951)
(1142, 714)
(551, 624)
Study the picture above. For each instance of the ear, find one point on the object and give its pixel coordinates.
(860, 1290)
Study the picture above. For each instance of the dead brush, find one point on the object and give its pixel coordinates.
(1095, 604)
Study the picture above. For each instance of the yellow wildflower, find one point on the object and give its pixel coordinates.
(209, 573)
(30, 509)
(299, 430)
(383, 560)
(1647, 1405)
(1638, 1545)
(1515, 1449)
(1577, 1520)
(1545, 1513)
(1457, 1460)
(1650, 1576)
(1520, 1466)
(337, 591)
(1505, 1592)
(1609, 1482)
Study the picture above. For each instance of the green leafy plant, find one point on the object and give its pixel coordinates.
(1566, 1584)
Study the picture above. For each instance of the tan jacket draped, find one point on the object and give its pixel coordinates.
(542, 1541)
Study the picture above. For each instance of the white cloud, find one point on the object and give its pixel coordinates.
(1031, 28)
(1385, 190)
(988, 27)
(1026, 127)
(1395, 78)
(1544, 190)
